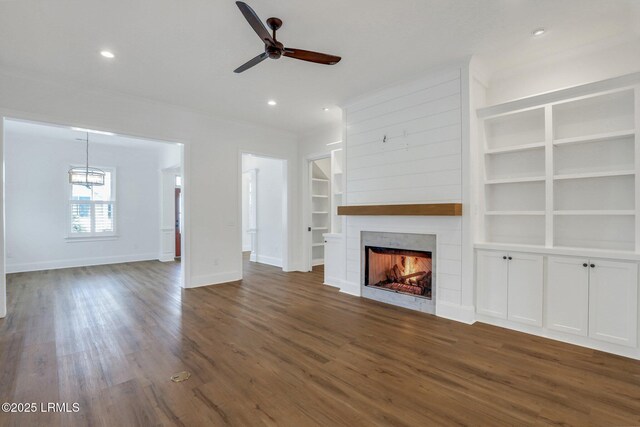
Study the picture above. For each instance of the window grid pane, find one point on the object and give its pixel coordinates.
(92, 209)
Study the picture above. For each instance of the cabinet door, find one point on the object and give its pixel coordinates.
(525, 281)
(613, 302)
(567, 296)
(332, 260)
(491, 284)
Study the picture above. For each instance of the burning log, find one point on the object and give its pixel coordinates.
(419, 273)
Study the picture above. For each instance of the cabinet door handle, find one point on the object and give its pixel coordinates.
(585, 265)
(510, 258)
(592, 266)
(504, 257)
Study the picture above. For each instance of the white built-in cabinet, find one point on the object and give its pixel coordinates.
(563, 174)
(558, 195)
(595, 298)
(510, 286)
(567, 297)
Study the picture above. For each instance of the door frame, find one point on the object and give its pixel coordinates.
(307, 171)
(286, 177)
(185, 172)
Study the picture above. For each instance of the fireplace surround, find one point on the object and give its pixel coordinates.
(399, 269)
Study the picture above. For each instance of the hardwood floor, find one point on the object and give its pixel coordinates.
(281, 349)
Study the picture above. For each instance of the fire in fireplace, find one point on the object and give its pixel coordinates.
(399, 270)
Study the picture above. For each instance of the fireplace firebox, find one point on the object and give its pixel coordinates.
(399, 270)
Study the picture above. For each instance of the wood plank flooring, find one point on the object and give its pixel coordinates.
(282, 349)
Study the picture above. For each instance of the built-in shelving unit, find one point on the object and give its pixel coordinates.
(320, 208)
(563, 174)
(337, 188)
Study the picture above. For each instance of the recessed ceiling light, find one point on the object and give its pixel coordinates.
(272, 102)
(538, 32)
(325, 109)
(107, 54)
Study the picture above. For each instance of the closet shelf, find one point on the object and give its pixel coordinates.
(594, 175)
(317, 244)
(319, 228)
(320, 213)
(319, 196)
(514, 148)
(595, 212)
(595, 137)
(319, 179)
(515, 213)
(514, 180)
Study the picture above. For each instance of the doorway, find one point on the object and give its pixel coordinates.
(264, 209)
(321, 207)
(114, 220)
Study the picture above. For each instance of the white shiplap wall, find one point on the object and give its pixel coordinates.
(421, 162)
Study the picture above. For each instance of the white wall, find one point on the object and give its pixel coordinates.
(212, 150)
(421, 162)
(590, 64)
(246, 214)
(36, 203)
(270, 219)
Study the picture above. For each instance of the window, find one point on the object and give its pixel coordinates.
(92, 209)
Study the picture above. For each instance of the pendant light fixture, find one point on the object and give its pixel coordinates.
(86, 175)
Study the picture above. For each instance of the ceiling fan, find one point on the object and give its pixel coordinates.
(272, 47)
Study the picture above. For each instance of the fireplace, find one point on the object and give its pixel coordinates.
(399, 269)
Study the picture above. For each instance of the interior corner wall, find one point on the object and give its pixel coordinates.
(212, 147)
(582, 66)
(37, 204)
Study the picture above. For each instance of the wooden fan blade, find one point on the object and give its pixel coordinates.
(255, 61)
(255, 23)
(307, 55)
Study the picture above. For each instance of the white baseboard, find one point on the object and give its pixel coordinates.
(269, 260)
(214, 279)
(79, 262)
(456, 312)
(332, 281)
(350, 288)
(167, 257)
(620, 350)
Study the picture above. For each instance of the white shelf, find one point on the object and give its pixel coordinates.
(515, 148)
(319, 228)
(319, 196)
(338, 193)
(496, 213)
(596, 137)
(595, 212)
(594, 175)
(320, 179)
(320, 213)
(317, 244)
(581, 193)
(514, 180)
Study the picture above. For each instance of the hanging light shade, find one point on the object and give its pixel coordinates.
(86, 175)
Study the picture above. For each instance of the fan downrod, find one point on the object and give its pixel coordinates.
(274, 52)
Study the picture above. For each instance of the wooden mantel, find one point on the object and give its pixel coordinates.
(429, 209)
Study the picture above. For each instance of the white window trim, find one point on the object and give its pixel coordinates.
(92, 237)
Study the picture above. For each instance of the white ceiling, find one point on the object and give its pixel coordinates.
(184, 52)
(19, 130)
